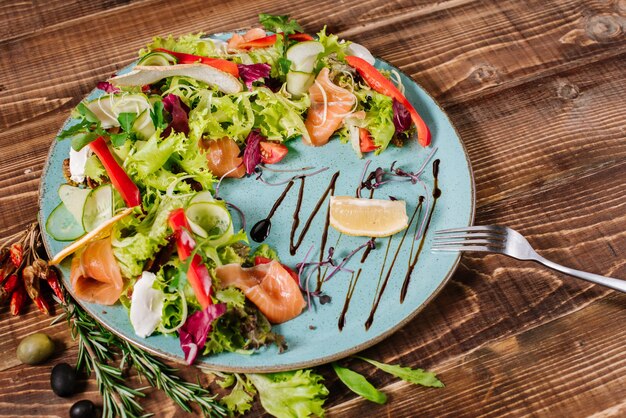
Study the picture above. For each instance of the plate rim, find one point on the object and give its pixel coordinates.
(292, 366)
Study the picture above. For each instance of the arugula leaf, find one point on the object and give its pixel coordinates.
(415, 376)
(358, 384)
(279, 23)
(126, 121)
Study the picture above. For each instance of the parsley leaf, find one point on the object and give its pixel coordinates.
(276, 23)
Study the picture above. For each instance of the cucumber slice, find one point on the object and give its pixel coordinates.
(298, 83)
(205, 196)
(143, 126)
(62, 226)
(303, 55)
(108, 107)
(157, 58)
(212, 217)
(74, 200)
(98, 207)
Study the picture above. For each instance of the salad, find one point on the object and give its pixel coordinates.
(141, 204)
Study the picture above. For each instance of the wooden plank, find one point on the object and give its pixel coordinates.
(541, 372)
(22, 18)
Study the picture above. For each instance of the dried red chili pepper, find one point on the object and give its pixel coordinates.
(18, 298)
(42, 304)
(31, 282)
(53, 282)
(11, 284)
(17, 254)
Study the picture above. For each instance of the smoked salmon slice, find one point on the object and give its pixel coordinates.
(330, 104)
(250, 35)
(269, 286)
(223, 157)
(95, 274)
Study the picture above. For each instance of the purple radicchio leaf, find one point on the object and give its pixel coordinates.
(401, 117)
(179, 112)
(252, 152)
(107, 87)
(253, 72)
(194, 332)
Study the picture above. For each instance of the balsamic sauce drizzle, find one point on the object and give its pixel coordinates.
(261, 230)
(381, 289)
(293, 246)
(436, 195)
(342, 317)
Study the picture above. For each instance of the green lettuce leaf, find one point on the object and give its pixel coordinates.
(216, 117)
(242, 329)
(231, 296)
(137, 240)
(266, 251)
(276, 117)
(415, 376)
(154, 153)
(188, 44)
(291, 394)
(379, 119)
(241, 396)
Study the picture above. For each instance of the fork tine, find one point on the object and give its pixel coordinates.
(464, 248)
(487, 242)
(477, 235)
(470, 229)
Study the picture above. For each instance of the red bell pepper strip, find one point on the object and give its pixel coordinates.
(366, 142)
(122, 183)
(382, 85)
(221, 64)
(271, 40)
(198, 274)
(264, 260)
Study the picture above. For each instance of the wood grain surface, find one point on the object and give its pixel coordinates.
(537, 91)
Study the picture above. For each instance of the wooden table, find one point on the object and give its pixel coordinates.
(537, 90)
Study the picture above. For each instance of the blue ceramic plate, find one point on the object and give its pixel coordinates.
(314, 337)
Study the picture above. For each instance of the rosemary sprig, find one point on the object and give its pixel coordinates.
(97, 348)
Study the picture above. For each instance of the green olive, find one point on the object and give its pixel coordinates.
(35, 348)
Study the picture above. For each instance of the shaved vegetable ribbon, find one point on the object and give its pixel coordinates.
(122, 183)
(221, 64)
(198, 274)
(382, 85)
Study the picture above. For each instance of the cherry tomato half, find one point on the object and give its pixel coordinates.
(271, 153)
(366, 141)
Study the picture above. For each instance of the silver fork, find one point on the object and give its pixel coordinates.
(504, 240)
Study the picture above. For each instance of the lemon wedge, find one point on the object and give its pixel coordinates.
(367, 217)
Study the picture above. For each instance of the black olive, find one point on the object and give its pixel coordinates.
(63, 380)
(83, 409)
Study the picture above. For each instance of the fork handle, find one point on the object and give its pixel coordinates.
(615, 284)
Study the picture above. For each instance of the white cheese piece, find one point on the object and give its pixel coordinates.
(146, 305)
(78, 159)
(358, 50)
